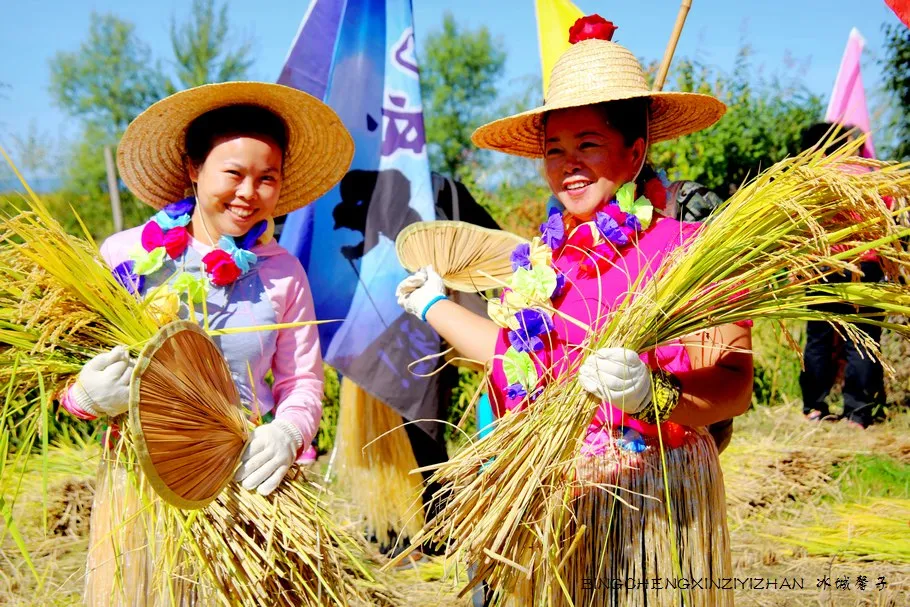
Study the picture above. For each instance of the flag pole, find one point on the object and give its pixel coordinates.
(671, 46)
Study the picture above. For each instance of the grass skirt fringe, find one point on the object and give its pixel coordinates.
(631, 552)
(128, 541)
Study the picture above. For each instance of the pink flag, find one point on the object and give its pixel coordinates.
(848, 99)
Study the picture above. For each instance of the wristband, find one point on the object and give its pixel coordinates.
(666, 391)
(426, 308)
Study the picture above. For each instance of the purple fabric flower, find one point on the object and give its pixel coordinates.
(633, 222)
(521, 257)
(536, 394)
(534, 322)
(516, 392)
(127, 278)
(560, 285)
(531, 324)
(522, 342)
(249, 239)
(609, 229)
(552, 230)
(181, 207)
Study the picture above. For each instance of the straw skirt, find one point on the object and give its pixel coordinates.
(628, 545)
(133, 554)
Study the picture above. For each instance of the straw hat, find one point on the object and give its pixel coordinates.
(596, 71)
(151, 153)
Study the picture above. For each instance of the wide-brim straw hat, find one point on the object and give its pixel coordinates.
(592, 72)
(151, 155)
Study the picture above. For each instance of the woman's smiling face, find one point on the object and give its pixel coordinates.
(587, 159)
(238, 185)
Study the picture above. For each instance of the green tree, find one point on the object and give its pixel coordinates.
(763, 124)
(110, 79)
(459, 81)
(202, 52)
(897, 85)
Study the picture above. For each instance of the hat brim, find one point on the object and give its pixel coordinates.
(150, 156)
(672, 115)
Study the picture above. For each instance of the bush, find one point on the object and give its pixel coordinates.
(777, 364)
(325, 436)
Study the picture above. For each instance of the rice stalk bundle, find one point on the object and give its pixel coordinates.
(61, 305)
(469, 258)
(374, 460)
(762, 254)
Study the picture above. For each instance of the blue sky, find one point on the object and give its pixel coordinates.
(803, 39)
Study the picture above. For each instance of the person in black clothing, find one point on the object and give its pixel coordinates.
(864, 378)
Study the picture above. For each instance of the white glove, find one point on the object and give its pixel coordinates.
(617, 376)
(103, 386)
(268, 455)
(419, 291)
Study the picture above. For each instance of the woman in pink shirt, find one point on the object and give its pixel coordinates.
(593, 134)
(218, 163)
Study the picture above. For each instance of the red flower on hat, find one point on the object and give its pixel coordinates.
(221, 267)
(592, 27)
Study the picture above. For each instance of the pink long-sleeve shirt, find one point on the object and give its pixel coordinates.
(274, 291)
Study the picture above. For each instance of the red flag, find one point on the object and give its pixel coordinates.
(901, 8)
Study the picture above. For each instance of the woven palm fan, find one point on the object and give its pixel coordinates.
(469, 258)
(186, 418)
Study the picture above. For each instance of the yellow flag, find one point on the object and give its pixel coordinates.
(554, 18)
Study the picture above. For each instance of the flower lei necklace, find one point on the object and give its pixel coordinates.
(536, 284)
(166, 234)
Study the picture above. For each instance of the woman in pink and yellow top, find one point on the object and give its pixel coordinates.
(593, 134)
(218, 163)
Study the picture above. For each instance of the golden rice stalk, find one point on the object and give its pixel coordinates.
(374, 459)
(761, 255)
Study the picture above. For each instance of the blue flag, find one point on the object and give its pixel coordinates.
(358, 56)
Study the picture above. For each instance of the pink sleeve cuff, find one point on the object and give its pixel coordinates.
(69, 403)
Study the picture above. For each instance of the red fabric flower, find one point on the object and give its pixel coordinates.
(674, 435)
(221, 267)
(612, 209)
(597, 260)
(176, 241)
(152, 236)
(592, 27)
(656, 193)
